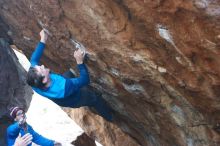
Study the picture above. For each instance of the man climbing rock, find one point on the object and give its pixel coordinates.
(22, 134)
(65, 90)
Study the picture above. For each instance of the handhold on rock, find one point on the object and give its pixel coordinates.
(201, 4)
(78, 45)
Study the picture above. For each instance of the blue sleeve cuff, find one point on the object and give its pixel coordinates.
(41, 44)
(81, 66)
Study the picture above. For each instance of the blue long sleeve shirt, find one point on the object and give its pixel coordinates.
(60, 86)
(14, 130)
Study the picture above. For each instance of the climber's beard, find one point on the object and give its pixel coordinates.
(22, 120)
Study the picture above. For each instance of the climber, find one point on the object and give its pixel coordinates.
(65, 90)
(20, 133)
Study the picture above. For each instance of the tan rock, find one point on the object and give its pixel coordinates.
(128, 40)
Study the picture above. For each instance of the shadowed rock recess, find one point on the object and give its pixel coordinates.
(13, 88)
(155, 62)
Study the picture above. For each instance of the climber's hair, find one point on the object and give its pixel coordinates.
(34, 79)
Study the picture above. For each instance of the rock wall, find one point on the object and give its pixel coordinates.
(83, 140)
(13, 88)
(155, 62)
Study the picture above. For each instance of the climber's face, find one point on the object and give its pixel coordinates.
(20, 116)
(43, 71)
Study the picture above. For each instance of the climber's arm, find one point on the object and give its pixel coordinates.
(35, 58)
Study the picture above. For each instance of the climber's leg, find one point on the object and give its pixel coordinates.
(92, 99)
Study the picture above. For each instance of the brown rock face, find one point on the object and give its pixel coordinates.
(84, 140)
(156, 62)
(13, 88)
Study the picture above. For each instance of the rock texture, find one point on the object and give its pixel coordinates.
(155, 62)
(83, 140)
(14, 90)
